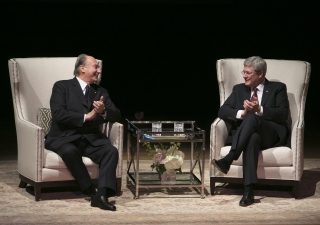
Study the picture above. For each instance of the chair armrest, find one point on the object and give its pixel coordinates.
(218, 137)
(115, 133)
(297, 146)
(30, 139)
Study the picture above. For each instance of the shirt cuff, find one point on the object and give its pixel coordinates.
(239, 113)
(84, 118)
(261, 111)
(104, 115)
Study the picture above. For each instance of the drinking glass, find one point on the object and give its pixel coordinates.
(178, 127)
(156, 127)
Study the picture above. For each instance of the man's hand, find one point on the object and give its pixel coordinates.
(99, 106)
(251, 107)
(91, 115)
(98, 109)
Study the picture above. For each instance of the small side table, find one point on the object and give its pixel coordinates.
(151, 179)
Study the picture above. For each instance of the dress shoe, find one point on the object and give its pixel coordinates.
(247, 198)
(222, 165)
(102, 203)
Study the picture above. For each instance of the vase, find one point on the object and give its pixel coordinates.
(168, 177)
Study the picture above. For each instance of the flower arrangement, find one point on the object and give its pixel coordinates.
(165, 158)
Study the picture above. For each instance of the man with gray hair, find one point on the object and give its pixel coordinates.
(79, 106)
(257, 110)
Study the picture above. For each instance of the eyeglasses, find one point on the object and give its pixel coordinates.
(246, 73)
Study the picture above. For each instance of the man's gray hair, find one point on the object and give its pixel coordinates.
(81, 60)
(257, 63)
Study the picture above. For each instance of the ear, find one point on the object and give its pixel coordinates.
(260, 73)
(82, 68)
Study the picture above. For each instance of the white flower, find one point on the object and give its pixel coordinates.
(179, 153)
(172, 162)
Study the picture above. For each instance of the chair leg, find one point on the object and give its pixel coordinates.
(212, 185)
(118, 186)
(22, 184)
(37, 192)
(296, 189)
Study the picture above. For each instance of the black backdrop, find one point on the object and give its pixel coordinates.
(160, 56)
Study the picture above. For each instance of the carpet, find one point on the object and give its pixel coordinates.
(177, 206)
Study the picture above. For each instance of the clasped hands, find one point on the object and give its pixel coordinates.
(251, 107)
(98, 108)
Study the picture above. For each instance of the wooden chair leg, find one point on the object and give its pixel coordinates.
(212, 185)
(37, 192)
(22, 184)
(118, 186)
(296, 189)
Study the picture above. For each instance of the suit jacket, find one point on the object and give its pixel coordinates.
(68, 106)
(275, 108)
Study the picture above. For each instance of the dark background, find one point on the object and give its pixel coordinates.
(160, 56)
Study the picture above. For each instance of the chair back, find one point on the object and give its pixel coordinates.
(32, 80)
(295, 74)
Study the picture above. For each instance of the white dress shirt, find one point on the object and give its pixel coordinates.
(83, 85)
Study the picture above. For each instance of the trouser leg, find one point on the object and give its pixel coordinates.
(72, 157)
(107, 157)
(249, 125)
(250, 160)
(253, 135)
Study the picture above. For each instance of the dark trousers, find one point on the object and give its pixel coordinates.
(254, 134)
(106, 156)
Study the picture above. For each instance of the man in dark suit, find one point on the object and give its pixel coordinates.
(79, 107)
(258, 111)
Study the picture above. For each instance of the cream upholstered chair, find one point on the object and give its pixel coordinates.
(32, 80)
(279, 165)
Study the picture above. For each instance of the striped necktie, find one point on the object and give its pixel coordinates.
(254, 94)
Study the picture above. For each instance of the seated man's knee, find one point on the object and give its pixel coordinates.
(114, 150)
(111, 150)
(255, 139)
(251, 118)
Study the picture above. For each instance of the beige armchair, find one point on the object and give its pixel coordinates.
(279, 165)
(32, 80)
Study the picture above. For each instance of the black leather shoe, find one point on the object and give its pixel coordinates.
(102, 203)
(247, 198)
(221, 164)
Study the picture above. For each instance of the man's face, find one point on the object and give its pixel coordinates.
(90, 71)
(252, 78)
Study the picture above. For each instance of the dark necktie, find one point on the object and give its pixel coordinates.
(86, 94)
(254, 94)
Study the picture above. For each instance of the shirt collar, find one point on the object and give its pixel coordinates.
(260, 86)
(82, 84)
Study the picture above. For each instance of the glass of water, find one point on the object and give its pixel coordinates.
(178, 127)
(156, 127)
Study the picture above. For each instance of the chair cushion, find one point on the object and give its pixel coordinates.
(44, 119)
(271, 157)
(52, 160)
